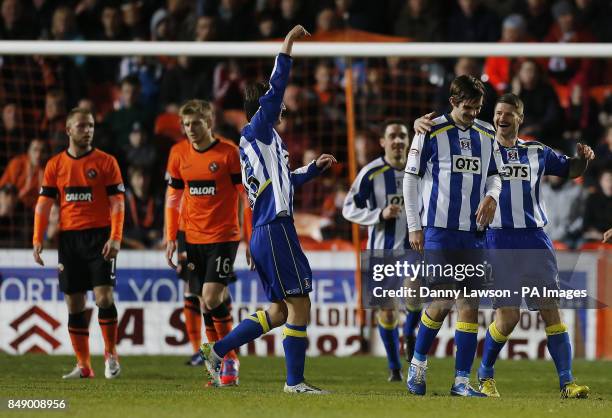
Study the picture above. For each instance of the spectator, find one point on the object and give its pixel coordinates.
(187, 79)
(14, 23)
(161, 26)
(472, 22)
(24, 174)
(598, 212)
(138, 151)
(235, 21)
(564, 209)
(371, 101)
(143, 211)
(293, 12)
(538, 17)
(326, 95)
(149, 72)
(467, 66)
(543, 118)
(206, 29)
(363, 15)
(228, 85)
(12, 134)
(53, 125)
(105, 70)
(182, 14)
(416, 22)
(581, 124)
(133, 19)
(87, 16)
(500, 70)
(267, 27)
(63, 26)
(564, 70)
(594, 15)
(120, 122)
(327, 20)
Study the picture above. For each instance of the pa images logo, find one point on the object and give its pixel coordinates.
(91, 174)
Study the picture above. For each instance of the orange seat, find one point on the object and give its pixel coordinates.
(599, 93)
(595, 245)
(558, 245)
(169, 125)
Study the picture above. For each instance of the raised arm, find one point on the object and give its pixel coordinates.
(271, 102)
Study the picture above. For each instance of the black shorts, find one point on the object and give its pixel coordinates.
(81, 264)
(211, 263)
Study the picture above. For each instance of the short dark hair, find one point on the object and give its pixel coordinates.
(77, 111)
(466, 88)
(512, 100)
(393, 121)
(252, 93)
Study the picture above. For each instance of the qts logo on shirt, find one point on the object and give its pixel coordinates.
(202, 188)
(78, 194)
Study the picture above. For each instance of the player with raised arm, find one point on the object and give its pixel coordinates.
(275, 250)
(375, 199)
(88, 186)
(204, 184)
(455, 169)
(518, 225)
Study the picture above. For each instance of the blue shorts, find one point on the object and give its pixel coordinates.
(279, 260)
(450, 247)
(521, 258)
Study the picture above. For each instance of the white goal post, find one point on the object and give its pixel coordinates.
(317, 49)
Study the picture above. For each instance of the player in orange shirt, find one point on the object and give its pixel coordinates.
(88, 186)
(191, 301)
(204, 182)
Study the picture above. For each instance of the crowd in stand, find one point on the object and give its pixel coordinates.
(135, 99)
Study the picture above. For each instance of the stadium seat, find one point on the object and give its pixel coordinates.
(560, 246)
(169, 125)
(595, 245)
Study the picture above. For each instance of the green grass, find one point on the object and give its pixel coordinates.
(153, 386)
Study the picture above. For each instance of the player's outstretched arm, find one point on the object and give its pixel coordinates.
(310, 171)
(579, 164)
(294, 34)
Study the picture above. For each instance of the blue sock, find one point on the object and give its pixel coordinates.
(411, 323)
(295, 344)
(494, 342)
(250, 328)
(389, 335)
(466, 340)
(560, 349)
(428, 330)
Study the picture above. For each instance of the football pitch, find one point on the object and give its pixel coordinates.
(162, 386)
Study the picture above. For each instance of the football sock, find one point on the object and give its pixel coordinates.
(466, 340)
(411, 323)
(428, 330)
(494, 342)
(250, 328)
(560, 349)
(193, 321)
(78, 328)
(222, 321)
(209, 326)
(107, 318)
(389, 335)
(295, 343)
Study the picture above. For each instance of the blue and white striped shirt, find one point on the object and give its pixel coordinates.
(521, 169)
(264, 158)
(453, 164)
(376, 186)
